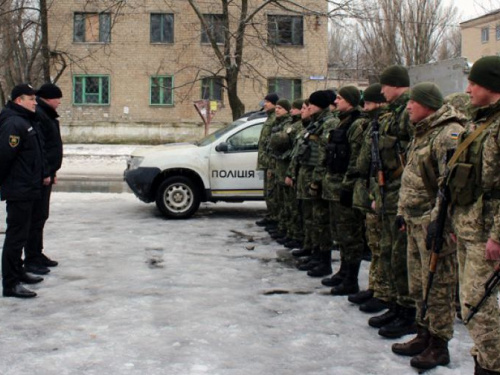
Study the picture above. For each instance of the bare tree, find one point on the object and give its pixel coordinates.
(407, 32)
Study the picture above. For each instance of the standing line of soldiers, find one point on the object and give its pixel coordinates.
(414, 176)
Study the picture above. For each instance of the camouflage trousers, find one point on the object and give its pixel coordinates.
(321, 236)
(484, 327)
(394, 288)
(373, 228)
(441, 301)
(346, 226)
(282, 209)
(271, 194)
(306, 208)
(290, 213)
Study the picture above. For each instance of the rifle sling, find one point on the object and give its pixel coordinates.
(467, 142)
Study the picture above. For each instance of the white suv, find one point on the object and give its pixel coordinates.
(220, 167)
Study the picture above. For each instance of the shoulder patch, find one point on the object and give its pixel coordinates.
(14, 140)
(454, 136)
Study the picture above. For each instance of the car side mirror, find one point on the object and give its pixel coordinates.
(222, 147)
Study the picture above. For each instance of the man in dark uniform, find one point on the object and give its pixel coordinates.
(21, 178)
(48, 100)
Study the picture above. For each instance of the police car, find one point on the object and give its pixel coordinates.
(220, 167)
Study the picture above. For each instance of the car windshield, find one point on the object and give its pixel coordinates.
(219, 133)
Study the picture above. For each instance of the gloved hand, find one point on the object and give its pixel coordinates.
(400, 222)
(346, 197)
(431, 233)
(313, 190)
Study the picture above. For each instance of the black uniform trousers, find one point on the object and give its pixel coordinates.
(19, 216)
(34, 246)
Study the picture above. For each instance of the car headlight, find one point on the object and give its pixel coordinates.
(134, 162)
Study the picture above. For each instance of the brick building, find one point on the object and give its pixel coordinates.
(134, 68)
(481, 36)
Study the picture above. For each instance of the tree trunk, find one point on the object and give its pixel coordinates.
(237, 106)
(45, 41)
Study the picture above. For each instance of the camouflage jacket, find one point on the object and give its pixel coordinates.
(281, 144)
(333, 182)
(263, 160)
(362, 197)
(395, 135)
(480, 219)
(434, 137)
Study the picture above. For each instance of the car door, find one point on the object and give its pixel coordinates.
(233, 165)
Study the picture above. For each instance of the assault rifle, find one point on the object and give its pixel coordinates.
(489, 287)
(437, 238)
(377, 167)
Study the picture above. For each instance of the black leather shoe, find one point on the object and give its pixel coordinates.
(18, 291)
(28, 279)
(301, 253)
(283, 240)
(47, 262)
(36, 268)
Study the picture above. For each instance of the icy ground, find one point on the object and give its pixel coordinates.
(137, 294)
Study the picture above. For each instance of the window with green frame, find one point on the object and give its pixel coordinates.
(91, 89)
(162, 28)
(212, 88)
(161, 89)
(285, 30)
(289, 88)
(215, 24)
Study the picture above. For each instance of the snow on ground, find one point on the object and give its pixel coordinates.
(137, 294)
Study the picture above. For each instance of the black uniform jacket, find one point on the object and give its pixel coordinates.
(21, 155)
(49, 127)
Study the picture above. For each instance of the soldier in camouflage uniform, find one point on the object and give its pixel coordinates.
(436, 132)
(280, 146)
(264, 161)
(394, 138)
(474, 185)
(374, 103)
(320, 263)
(299, 176)
(294, 222)
(340, 144)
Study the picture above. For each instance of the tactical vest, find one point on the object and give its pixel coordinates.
(338, 150)
(308, 152)
(391, 147)
(464, 181)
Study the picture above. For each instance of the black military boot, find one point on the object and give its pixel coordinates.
(381, 320)
(416, 345)
(404, 324)
(283, 240)
(361, 297)
(293, 244)
(264, 222)
(324, 267)
(312, 263)
(349, 284)
(435, 355)
(478, 370)
(301, 253)
(278, 234)
(337, 278)
(373, 305)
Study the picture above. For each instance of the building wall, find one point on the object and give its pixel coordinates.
(130, 60)
(473, 47)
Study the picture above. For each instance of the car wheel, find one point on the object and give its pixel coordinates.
(177, 198)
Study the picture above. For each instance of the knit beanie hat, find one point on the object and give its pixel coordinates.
(284, 104)
(373, 94)
(297, 103)
(396, 76)
(320, 99)
(351, 94)
(20, 90)
(428, 94)
(49, 91)
(272, 97)
(331, 95)
(486, 72)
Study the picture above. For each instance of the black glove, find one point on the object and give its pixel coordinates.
(431, 233)
(346, 197)
(400, 221)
